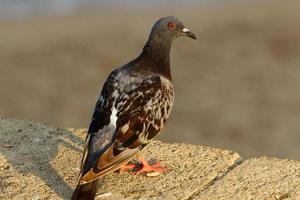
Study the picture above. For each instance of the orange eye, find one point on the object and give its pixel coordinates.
(171, 25)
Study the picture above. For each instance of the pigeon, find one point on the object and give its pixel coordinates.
(133, 107)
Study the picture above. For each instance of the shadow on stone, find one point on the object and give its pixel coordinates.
(32, 150)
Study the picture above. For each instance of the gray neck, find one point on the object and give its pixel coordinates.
(156, 56)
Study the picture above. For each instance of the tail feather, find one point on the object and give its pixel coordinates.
(85, 192)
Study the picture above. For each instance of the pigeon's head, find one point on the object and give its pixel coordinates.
(169, 28)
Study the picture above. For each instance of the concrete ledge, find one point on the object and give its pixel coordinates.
(40, 162)
(258, 178)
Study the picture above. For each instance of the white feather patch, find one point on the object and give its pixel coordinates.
(113, 117)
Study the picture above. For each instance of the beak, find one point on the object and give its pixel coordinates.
(188, 33)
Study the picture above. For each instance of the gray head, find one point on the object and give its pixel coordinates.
(156, 53)
(168, 29)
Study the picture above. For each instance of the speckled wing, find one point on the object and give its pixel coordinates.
(100, 134)
(140, 107)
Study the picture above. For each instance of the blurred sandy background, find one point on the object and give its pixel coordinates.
(237, 86)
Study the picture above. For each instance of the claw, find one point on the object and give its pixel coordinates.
(146, 167)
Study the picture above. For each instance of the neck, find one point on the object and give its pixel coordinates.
(156, 57)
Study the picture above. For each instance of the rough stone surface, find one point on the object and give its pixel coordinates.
(41, 162)
(37, 161)
(258, 178)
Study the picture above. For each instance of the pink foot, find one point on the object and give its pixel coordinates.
(146, 167)
(126, 168)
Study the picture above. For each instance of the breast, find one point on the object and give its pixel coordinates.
(144, 107)
(159, 108)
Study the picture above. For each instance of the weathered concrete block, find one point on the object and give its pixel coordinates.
(41, 162)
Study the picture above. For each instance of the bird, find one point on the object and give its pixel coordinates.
(134, 106)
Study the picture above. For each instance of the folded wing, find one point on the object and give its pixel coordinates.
(139, 110)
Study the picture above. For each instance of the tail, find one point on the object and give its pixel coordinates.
(86, 191)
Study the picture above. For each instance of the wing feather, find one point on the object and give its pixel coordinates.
(108, 163)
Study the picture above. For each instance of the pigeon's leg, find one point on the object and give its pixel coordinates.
(146, 167)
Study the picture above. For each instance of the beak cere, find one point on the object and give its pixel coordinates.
(188, 33)
(185, 30)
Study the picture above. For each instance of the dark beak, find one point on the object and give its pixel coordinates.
(191, 35)
(188, 33)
